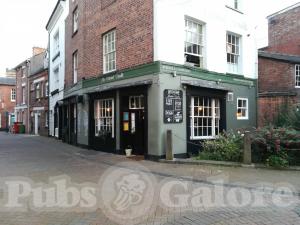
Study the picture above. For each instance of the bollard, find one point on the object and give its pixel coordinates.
(169, 150)
(247, 149)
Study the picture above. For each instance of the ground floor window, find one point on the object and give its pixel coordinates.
(104, 117)
(242, 109)
(205, 118)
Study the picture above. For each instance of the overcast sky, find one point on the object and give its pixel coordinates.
(22, 26)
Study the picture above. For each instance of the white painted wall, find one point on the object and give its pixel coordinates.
(169, 34)
(57, 25)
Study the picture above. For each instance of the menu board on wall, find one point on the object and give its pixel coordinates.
(173, 106)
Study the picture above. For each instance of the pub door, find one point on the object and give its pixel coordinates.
(133, 124)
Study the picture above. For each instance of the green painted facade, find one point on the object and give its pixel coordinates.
(163, 75)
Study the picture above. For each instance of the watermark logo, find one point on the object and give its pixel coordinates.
(127, 193)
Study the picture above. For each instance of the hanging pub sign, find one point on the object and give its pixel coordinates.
(173, 104)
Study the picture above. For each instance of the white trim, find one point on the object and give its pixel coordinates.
(39, 80)
(38, 108)
(23, 84)
(247, 108)
(21, 107)
(297, 70)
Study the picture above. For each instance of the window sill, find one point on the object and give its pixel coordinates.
(56, 56)
(109, 72)
(246, 118)
(236, 10)
(202, 138)
(74, 33)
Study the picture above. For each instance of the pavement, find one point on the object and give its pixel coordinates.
(136, 192)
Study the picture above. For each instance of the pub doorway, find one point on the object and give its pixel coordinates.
(134, 123)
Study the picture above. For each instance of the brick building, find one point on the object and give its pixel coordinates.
(38, 101)
(22, 98)
(135, 69)
(32, 93)
(7, 100)
(279, 65)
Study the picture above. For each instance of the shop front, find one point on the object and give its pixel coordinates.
(134, 109)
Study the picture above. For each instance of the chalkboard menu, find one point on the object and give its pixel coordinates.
(173, 112)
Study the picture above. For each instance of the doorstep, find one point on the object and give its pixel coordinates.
(222, 163)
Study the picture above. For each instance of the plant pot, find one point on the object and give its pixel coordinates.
(128, 152)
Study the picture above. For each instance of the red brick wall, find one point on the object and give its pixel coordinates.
(40, 102)
(269, 107)
(284, 32)
(6, 105)
(22, 115)
(275, 76)
(133, 21)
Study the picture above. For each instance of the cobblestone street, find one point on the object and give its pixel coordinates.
(38, 159)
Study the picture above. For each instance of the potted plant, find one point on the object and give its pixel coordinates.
(128, 151)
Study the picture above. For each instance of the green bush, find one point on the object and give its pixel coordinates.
(227, 147)
(276, 147)
(278, 161)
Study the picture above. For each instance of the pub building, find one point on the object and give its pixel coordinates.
(130, 77)
(135, 108)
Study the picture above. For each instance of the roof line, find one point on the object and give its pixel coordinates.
(279, 56)
(52, 14)
(284, 10)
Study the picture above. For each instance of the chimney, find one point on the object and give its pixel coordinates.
(37, 51)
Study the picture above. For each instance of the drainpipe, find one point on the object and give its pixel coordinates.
(28, 95)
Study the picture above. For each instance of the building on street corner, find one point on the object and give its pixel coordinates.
(135, 69)
(279, 65)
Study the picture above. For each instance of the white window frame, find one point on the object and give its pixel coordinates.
(215, 117)
(56, 43)
(109, 52)
(102, 114)
(13, 95)
(75, 67)
(75, 20)
(47, 89)
(236, 4)
(194, 38)
(23, 95)
(233, 52)
(37, 90)
(138, 102)
(246, 117)
(56, 76)
(46, 119)
(297, 76)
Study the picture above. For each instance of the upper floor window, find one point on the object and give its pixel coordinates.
(37, 91)
(109, 52)
(56, 43)
(193, 49)
(56, 77)
(47, 89)
(23, 95)
(13, 95)
(75, 20)
(75, 67)
(297, 75)
(236, 4)
(233, 52)
(242, 109)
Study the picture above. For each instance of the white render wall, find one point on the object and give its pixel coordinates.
(169, 34)
(58, 24)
